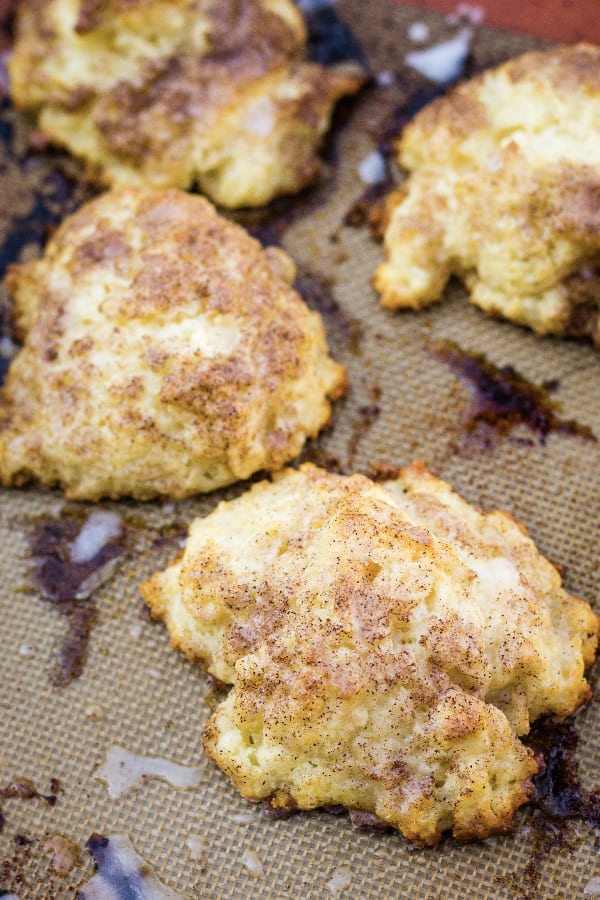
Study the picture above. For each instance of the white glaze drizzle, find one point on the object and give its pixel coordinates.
(372, 169)
(443, 62)
(339, 881)
(124, 771)
(99, 528)
(122, 872)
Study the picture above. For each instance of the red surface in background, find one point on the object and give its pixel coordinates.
(559, 20)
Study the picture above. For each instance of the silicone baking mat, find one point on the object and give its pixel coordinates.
(404, 403)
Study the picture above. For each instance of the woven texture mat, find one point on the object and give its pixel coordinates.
(137, 693)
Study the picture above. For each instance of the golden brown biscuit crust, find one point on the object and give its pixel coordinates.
(172, 94)
(165, 353)
(386, 645)
(504, 192)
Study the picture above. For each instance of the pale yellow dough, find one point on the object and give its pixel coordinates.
(165, 354)
(504, 191)
(179, 93)
(387, 644)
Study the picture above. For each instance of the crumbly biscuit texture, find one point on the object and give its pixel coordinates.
(386, 645)
(504, 192)
(179, 93)
(165, 354)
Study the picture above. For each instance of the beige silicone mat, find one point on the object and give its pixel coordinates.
(137, 693)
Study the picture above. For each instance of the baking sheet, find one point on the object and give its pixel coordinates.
(137, 693)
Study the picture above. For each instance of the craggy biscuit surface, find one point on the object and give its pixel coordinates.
(386, 645)
(171, 94)
(165, 353)
(504, 192)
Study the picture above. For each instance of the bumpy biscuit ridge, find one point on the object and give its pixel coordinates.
(165, 354)
(386, 645)
(504, 192)
(180, 93)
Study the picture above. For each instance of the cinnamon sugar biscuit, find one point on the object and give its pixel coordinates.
(387, 644)
(179, 93)
(165, 354)
(504, 192)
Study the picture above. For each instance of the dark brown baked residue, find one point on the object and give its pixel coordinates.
(370, 207)
(24, 789)
(560, 804)
(344, 331)
(503, 398)
(68, 585)
(57, 577)
(367, 416)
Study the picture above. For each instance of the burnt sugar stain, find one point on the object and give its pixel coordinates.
(21, 840)
(367, 415)
(68, 584)
(25, 789)
(7, 14)
(559, 794)
(314, 454)
(39, 193)
(56, 575)
(268, 224)
(278, 813)
(414, 100)
(72, 654)
(343, 329)
(503, 398)
(370, 207)
(560, 804)
(55, 196)
(170, 534)
(331, 40)
(366, 821)
(15, 868)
